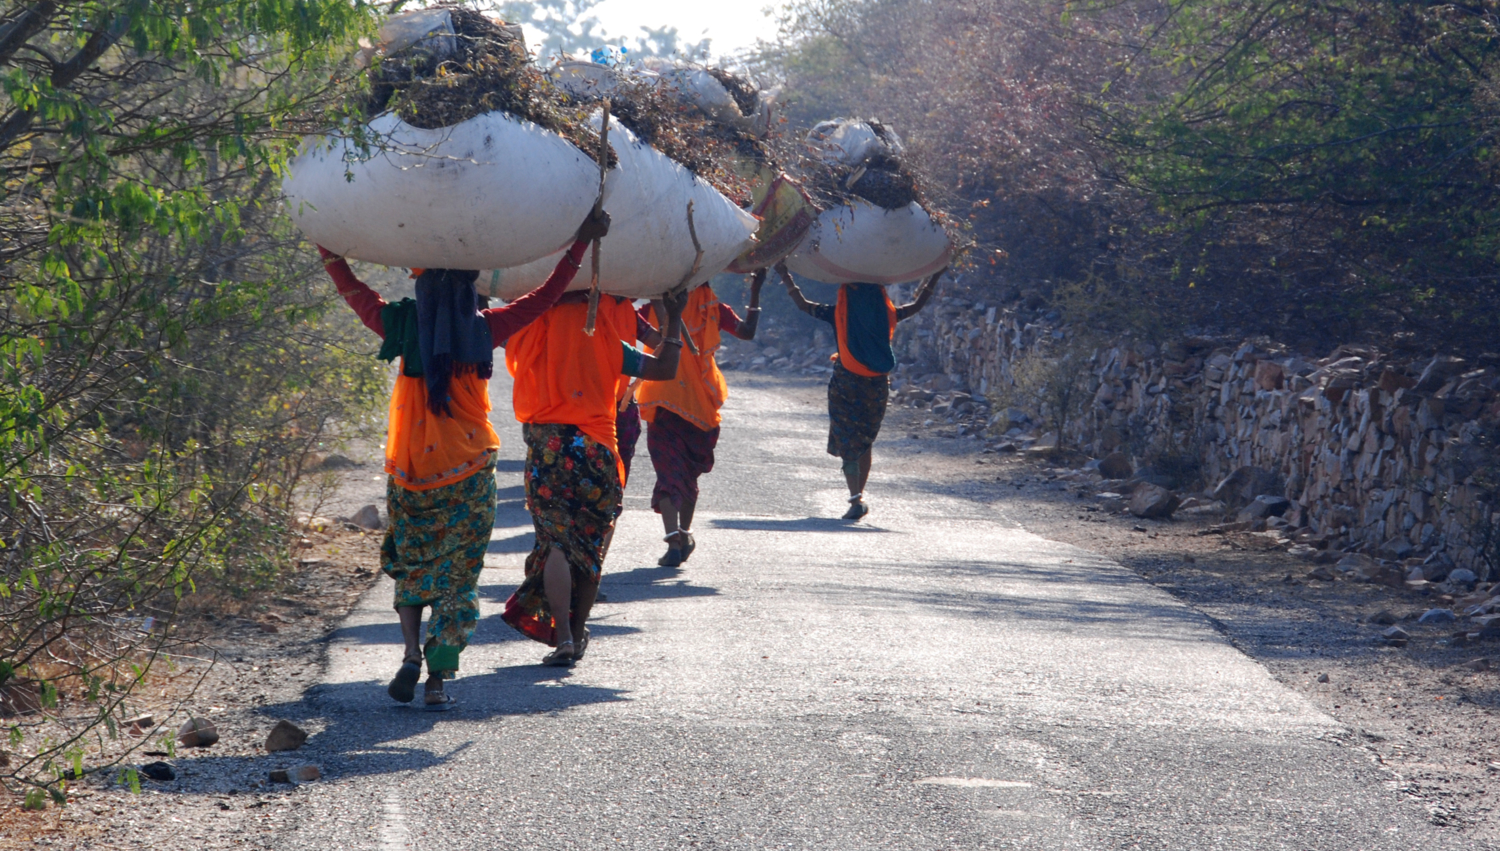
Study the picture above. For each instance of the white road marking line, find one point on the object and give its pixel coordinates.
(974, 782)
(393, 833)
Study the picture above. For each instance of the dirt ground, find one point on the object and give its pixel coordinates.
(257, 660)
(1422, 711)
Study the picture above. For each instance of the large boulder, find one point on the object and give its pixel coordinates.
(1263, 506)
(1115, 465)
(1245, 484)
(1153, 502)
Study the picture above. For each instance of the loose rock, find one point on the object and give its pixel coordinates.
(1383, 617)
(1115, 466)
(157, 771)
(300, 774)
(1153, 502)
(285, 736)
(1438, 616)
(1395, 637)
(368, 518)
(1462, 577)
(1263, 506)
(197, 733)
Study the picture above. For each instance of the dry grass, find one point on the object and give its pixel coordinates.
(489, 70)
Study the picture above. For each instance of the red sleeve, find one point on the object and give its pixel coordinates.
(643, 325)
(365, 301)
(728, 320)
(507, 320)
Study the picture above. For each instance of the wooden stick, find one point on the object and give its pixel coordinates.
(588, 324)
(692, 273)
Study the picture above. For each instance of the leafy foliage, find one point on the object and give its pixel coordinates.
(166, 360)
(1340, 160)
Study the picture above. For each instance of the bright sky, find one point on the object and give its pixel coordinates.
(732, 24)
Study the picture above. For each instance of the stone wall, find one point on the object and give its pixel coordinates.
(1378, 454)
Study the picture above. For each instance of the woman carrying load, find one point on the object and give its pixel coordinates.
(567, 385)
(682, 415)
(864, 320)
(440, 449)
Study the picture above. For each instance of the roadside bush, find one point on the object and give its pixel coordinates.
(166, 354)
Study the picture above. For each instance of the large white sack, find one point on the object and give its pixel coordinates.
(850, 142)
(859, 242)
(648, 250)
(490, 191)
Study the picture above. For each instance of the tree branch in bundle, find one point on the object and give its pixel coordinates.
(687, 279)
(593, 314)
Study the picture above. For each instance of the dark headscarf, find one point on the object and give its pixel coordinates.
(450, 331)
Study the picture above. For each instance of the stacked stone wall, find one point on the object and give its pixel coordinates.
(1393, 457)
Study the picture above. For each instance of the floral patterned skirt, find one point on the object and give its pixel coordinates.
(856, 408)
(573, 492)
(434, 548)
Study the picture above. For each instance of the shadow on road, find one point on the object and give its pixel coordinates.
(804, 524)
(365, 733)
(651, 583)
(1020, 592)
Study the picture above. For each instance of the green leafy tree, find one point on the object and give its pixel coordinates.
(1322, 166)
(165, 359)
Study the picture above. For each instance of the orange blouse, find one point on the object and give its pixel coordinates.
(424, 450)
(565, 376)
(699, 390)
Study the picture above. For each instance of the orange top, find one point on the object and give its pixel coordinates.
(424, 450)
(841, 325)
(626, 323)
(564, 376)
(699, 389)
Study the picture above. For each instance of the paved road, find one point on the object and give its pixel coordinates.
(934, 678)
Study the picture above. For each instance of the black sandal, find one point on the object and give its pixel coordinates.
(675, 555)
(582, 646)
(403, 687)
(561, 658)
(857, 508)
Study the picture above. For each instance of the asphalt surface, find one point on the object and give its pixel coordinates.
(930, 678)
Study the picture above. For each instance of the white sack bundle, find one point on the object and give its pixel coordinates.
(859, 242)
(649, 249)
(487, 192)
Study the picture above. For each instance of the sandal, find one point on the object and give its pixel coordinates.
(582, 646)
(562, 657)
(857, 508)
(403, 686)
(675, 555)
(437, 700)
(692, 544)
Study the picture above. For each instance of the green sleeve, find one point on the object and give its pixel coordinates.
(635, 361)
